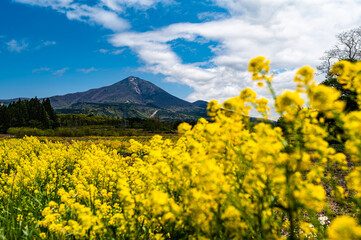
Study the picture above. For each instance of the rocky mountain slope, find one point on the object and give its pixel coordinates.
(131, 97)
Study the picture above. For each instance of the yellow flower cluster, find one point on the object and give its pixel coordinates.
(228, 178)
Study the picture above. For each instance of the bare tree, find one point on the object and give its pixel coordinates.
(348, 47)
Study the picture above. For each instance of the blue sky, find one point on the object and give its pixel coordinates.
(192, 49)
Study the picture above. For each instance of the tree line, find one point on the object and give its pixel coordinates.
(31, 113)
(78, 120)
(37, 117)
(147, 124)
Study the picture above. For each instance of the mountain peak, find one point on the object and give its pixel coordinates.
(129, 90)
(132, 78)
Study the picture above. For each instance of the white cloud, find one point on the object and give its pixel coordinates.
(87, 70)
(117, 51)
(17, 46)
(208, 16)
(111, 52)
(91, 14)
(119, 5)
(60, 72)
(96, 15)
(44, 43)
(254, 8)
(104, 13)
(47, 3)
(21, 45)
(290, 33)
(49, 43)
(104, 51)
(43, 69)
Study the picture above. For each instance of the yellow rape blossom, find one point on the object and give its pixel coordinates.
(223, 178)
(344, 227)
(304, 76)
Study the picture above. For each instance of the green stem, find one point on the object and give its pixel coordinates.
(272, 91)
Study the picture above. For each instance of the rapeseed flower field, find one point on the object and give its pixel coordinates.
(222, 179)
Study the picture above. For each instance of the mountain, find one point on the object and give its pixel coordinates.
(131, 97)
(8, 101)
(130, 90)
(200, 103)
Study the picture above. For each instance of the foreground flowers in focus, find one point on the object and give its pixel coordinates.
(225, 179)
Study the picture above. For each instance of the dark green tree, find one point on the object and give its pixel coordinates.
(346, 95)
(18, 114)
(51, 113)
(3, 119)
(38, 117)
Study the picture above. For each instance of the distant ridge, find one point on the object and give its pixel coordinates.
(200, 103)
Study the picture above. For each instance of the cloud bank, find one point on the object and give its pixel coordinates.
(290, 33)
